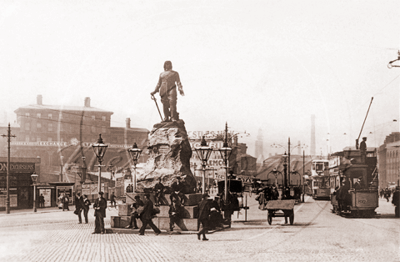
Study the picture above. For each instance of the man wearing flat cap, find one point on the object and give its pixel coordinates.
(204, 213)
(99, 206)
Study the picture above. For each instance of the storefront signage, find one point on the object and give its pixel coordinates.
(61, 144)
(17, 167)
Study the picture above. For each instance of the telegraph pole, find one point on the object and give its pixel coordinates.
(8, 168)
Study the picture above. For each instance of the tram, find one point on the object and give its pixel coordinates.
(355, 183)
(320, 179)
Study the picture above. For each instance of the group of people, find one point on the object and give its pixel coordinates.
(386, 193)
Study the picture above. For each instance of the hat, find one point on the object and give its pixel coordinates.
(205, 195)
(101, 193)
(137, 197)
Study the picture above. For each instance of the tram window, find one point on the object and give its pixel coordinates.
(320, 167)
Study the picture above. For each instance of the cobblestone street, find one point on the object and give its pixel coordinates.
(317, 235)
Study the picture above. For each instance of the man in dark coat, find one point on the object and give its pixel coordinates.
(159, 192)
(396, 201)
(363, 149)
(166, 85)
(177, 191)
(112, 200)
(65, 201)
(175, 214)
(137, 208)
(86, 206)
(204, 213)
(147, 215)
(78, 206)
(100, 205)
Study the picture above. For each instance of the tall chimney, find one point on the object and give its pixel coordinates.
(312, 146)
(87, 101)
(128, 122)
(39, 99)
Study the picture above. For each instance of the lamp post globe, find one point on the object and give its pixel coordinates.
(134, 152)
(99, 149)
(34, 177)
(204, 153)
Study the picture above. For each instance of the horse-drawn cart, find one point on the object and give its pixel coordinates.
(281, 208)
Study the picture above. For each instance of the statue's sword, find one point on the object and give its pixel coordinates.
(155, 101)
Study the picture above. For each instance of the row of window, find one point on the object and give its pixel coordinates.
(65, 127)
(50, 116)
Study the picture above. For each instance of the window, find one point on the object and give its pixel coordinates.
(103, 129)
(103, 118)
(93, 117)
(50, 116)
(38, 115)
(93, 129)
(50, 127)
(27, 126)
(38, 126)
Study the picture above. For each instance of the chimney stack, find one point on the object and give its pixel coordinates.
(128, 122)
(87, 101)
(39, 99)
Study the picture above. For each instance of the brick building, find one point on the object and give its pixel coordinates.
(61, 135)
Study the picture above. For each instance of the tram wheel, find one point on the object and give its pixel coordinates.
(291, 218)
(269, 219)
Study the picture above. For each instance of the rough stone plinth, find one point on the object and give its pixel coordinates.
(169, 156)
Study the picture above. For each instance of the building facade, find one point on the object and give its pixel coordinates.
(388, 160)
(61, 136)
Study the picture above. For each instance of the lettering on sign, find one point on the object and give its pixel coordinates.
(17, 167)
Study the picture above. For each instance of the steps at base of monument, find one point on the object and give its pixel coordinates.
(185, 224)
(188, 211)
(190, 199)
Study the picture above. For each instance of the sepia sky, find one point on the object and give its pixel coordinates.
(264, 65)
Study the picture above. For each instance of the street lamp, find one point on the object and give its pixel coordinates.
(134, 152)
(225, 152)
(275, 173)
(285, 171)
(99, 149)
(203, 152)
(34, 177)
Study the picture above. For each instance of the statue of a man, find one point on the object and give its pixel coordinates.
(166, 85)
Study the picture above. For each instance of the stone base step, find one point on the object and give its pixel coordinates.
(185, 224)
(188, 211)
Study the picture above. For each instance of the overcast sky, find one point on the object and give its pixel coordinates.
(264, 65)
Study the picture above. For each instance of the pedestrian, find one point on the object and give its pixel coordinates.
(396, 201)
(166, 85)
(204, 213)
(86, 206)
(158, 192)
(65, 202)
(175, 214)
(363, 150)
(78, 206)
(112, 200)
(41, 200)
(387, 194)
(100, 205)
(177, 191)
(137, 208)
(147, 215)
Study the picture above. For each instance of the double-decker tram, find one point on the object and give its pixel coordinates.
(354, 182)
(320, 179)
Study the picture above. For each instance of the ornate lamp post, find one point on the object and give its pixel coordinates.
(34, 177)
(134, 152)
(225, 152)
(285, 170)
(99, 149)
(203, 152)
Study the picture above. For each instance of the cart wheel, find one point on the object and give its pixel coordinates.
(291, 218)
(269, 218)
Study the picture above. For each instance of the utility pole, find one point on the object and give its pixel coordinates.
(8, 167)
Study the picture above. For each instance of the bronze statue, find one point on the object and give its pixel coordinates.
(166, 85)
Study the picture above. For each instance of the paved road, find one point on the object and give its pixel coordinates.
(317, 235)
